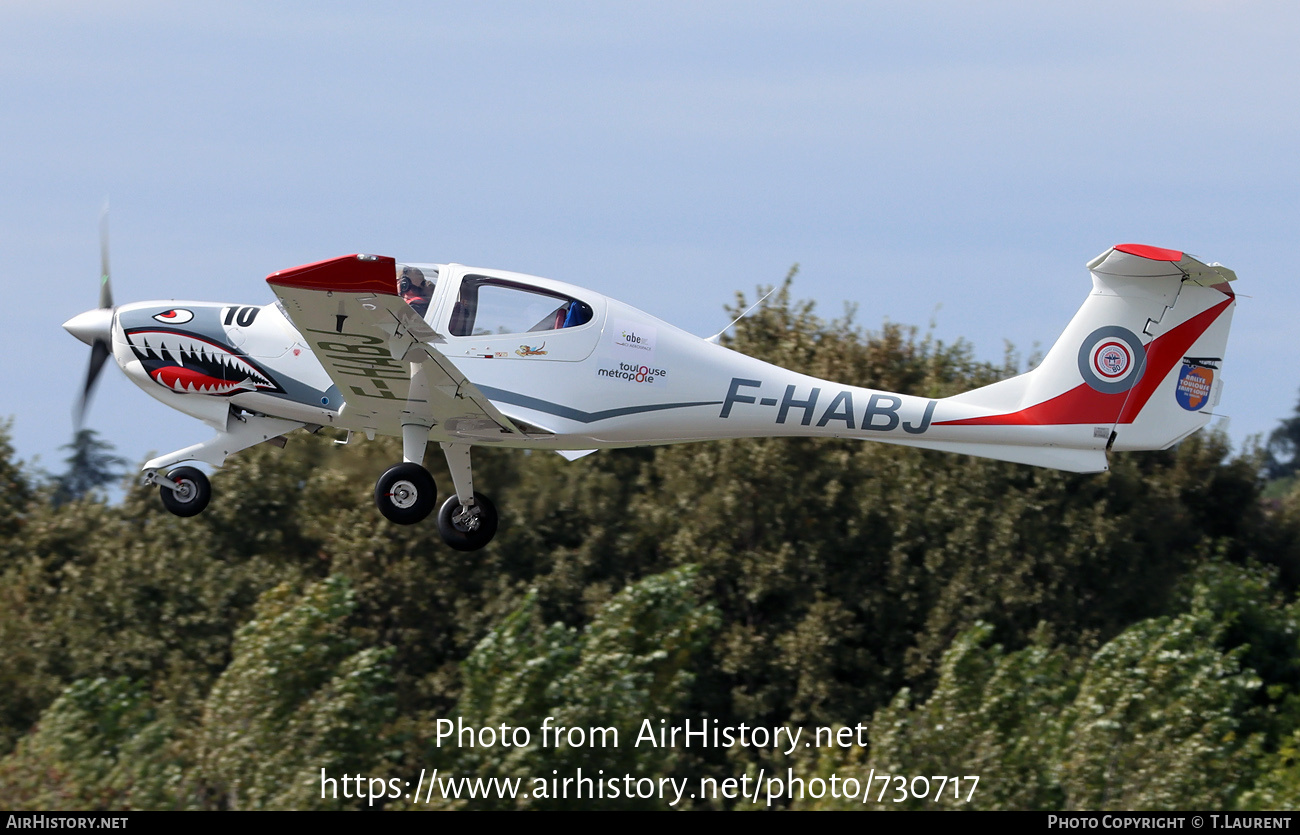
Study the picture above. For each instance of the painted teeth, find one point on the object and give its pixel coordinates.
(200, 355)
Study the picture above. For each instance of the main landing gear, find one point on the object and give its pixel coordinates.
(406, 494)
(467, 528)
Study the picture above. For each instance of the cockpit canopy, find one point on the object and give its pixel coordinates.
(489, 305)
(486, 305)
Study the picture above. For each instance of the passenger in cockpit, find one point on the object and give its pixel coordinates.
(414, 289)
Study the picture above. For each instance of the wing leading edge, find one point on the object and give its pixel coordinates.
(380, 353)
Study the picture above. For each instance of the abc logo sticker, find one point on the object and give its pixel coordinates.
(1112, 359)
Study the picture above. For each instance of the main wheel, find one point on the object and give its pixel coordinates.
(192, 492)
(405, 494)
(468, 530)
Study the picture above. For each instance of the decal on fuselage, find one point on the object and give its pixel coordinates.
(633, 373)
(188, 363)
(242, 315)
(175, 316)
(1195, 381)
(634, 339)
(1112, 359)
(880, 415)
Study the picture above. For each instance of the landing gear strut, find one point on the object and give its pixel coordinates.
(467, 520)
(185, 491)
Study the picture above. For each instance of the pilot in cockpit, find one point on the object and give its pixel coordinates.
(414, 289)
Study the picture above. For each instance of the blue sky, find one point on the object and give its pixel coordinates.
(969, 157)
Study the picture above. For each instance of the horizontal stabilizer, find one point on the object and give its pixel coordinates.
(1056, 457)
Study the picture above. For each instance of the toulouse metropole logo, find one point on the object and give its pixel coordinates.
(1112, 359)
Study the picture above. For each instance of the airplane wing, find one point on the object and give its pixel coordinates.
(380, 353)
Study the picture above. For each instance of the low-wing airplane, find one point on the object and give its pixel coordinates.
(464, 356)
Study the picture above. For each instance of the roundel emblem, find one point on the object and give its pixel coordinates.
(1112, 359)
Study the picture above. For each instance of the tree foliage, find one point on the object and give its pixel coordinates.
(640, 646)
(1083, 641)
(15, 489)
(1284, 448)
(301, 695)
(91, 465)
(1167, 715)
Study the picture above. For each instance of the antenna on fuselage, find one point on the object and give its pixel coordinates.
(717, 337)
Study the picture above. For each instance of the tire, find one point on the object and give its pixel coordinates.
(193, 493)
(406, 494)
(459, 536)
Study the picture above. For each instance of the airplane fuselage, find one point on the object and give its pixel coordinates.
(623, 378)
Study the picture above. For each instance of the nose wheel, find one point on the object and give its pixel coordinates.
(405, 493)
(190, 495)
(467, 529)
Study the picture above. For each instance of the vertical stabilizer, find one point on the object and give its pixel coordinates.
(1139, 363)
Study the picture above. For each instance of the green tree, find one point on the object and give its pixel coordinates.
(1283, 449)
(101, 745)
(1164, 716)
(993, 714)
(631, 664)
(91, 465)
(1159, 722)
(301, 697)
(15, 489)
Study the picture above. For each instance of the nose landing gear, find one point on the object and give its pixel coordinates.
(185, 491)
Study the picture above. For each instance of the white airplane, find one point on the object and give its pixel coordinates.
(464, 356)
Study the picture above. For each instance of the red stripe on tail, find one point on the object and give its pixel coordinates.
(1082, 404)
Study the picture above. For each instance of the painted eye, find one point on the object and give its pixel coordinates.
(177, 316)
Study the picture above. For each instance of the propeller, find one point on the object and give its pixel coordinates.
(95, 327)
(105, 287)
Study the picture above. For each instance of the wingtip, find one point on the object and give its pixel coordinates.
(354, 273)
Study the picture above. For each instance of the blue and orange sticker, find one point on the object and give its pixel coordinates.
(1194, 385)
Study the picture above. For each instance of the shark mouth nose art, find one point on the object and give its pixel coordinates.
(187, 363)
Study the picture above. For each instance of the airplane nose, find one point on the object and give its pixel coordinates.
(92, 325)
